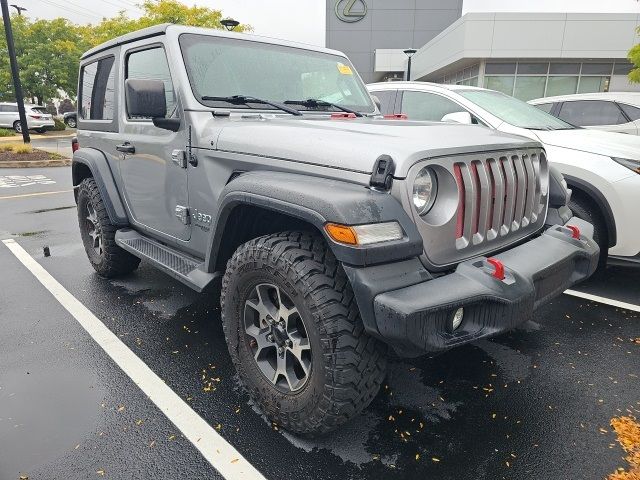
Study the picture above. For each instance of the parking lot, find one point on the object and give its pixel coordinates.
(532, 404)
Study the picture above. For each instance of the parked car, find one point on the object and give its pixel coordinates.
(609, 111)
(264, 166)
(70, 119)
(601, 168)
(37, 117)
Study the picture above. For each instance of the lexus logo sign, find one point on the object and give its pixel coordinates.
(351, 11)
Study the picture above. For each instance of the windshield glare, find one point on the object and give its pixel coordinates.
(514, 111)
(223, 67)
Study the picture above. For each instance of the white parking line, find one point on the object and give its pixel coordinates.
(37, 194)
(215, 449)
(604, 300)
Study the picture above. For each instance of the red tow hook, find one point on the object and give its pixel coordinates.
(498, 268)
(575, 231)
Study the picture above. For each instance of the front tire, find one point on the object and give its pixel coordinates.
(98, 234)
(71, 122)
(295, 334)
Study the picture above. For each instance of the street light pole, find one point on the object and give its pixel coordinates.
(409, 53)
(17, 86)
(19, 9)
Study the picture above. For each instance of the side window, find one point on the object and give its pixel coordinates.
(97, 90)
(545, 107)
(387, 100)
(585, 113)
(427, 106)
(152, 64)
(632, 112)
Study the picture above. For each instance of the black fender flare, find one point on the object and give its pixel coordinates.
(601, 202)
(319, 201)
(97, 163)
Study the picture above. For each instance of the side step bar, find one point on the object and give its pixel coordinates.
(187, 269)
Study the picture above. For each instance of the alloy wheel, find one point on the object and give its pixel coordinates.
(277, 336)
(94, 230)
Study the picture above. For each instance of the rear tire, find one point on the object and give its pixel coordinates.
(344, 367)
(17, 126)
(41, 130)
(585, 209)
(98, 234)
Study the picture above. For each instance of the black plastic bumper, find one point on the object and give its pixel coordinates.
(417, 318)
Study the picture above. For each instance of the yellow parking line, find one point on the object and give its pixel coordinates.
(37, 194)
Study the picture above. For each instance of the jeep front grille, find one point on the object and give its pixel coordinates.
(485, 202)
(496, 196)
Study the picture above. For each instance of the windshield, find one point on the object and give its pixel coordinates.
(514, 111)
(223, 67)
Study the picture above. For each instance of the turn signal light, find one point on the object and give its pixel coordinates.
(364, 234)
(341, 233)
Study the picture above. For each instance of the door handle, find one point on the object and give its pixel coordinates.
(126, 147)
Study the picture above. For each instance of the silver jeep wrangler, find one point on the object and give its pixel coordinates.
(263, 169)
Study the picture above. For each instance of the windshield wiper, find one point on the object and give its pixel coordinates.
(243, 100)
(314, 103)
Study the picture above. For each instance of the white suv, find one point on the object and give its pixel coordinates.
(37, 117)
(602, 168)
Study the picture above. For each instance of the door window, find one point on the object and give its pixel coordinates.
(585, 113)
(387, 100)
(545, 107)
(427, 106)
(632, 112)
(97, 90)
(151, 64)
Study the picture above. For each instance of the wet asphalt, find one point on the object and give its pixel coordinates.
(532, 404)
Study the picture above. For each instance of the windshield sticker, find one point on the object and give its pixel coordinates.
(344, 69)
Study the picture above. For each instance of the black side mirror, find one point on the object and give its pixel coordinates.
(146, 99)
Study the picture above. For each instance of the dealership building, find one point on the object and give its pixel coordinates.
(528, 55)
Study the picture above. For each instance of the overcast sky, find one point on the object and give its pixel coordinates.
(299, 20)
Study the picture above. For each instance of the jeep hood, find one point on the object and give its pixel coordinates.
(611, 144)
(355, 144)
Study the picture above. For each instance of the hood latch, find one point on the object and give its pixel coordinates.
(382, 176)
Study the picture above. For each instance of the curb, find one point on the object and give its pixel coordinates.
(36, 137)
(64, 162)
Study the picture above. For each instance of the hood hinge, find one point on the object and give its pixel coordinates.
(382, 176)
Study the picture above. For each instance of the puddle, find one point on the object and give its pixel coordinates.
(52, 209)
(30, 436)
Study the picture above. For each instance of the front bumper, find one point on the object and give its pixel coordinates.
(416, 319)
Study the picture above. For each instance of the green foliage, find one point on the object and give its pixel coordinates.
(48, 51)
(634, 57)
(66, 105)
(59, 125)
(4, 132)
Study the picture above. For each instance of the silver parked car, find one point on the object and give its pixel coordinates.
(609, 111)
(37, 117)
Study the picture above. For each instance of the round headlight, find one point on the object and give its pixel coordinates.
(425, 189)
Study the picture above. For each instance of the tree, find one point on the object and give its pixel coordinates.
(66, 105)
(634, 58)
(48, 51)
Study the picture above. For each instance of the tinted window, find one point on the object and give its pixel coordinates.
(427, 106)
(387, 100)
(545, 107)
(152, 65)
(632, 112)
(591, 112)
(8, 108)
(97, 90)
(39, 110)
